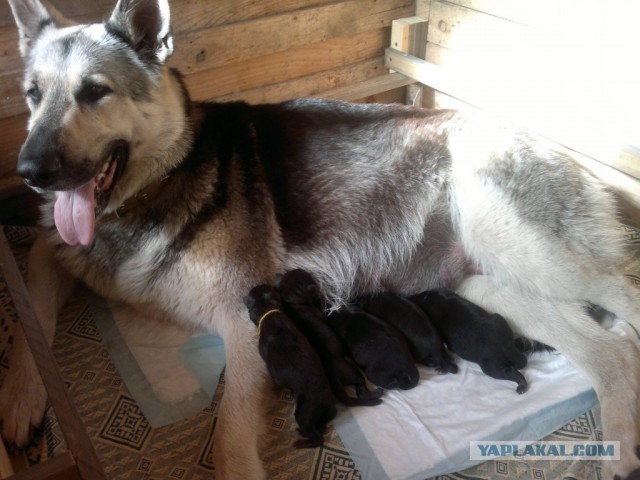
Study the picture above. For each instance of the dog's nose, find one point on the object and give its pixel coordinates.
(39, 171)
(39, 163)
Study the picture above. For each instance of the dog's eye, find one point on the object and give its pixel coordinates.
(34, 94)
(92, 92)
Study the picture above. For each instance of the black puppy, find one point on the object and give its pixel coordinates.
(293, 364)
(475, 335)
(423, 339)
(302, 303)
(376, 347)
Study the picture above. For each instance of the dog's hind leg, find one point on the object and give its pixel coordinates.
(22, 395)
(241, 412)
(611, 362)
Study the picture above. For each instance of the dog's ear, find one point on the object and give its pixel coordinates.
(146, 24)
(32, 18)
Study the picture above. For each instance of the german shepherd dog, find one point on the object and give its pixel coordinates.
(182, 208)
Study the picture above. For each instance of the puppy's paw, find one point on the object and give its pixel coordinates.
(22, 404)
(364, 393)
(447, 368)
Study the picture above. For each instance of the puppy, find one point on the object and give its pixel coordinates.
(376, 347)
(423, 339)
(301, 296)
(293, 364)
(475, 335)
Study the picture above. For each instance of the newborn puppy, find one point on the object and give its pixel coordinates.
(475, 334)
(293, 364)
(301, 297)
(376, 347)
(423, 339)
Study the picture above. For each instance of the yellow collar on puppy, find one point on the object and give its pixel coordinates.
(275, 310)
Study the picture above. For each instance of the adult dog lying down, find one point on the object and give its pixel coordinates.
(218, 198)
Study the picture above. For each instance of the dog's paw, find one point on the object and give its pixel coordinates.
(23, 399)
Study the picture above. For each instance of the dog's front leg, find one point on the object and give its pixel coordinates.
(22, 395)
(241, 413)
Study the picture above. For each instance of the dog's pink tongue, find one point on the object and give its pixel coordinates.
(74, 214)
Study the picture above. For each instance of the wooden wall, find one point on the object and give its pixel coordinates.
(267, 50)
(561, 67)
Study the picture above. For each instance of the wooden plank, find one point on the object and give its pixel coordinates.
(203, 50)
(78, 10)
(186, 16)
(526, 12)
(628, 160)
(11, 98)
(297, 62)
(423, 8)
(368, 88)
(10, 59)
(190, 15)
(61, 467)
(213, 48)
(568, 16)
(586, 134)
(78, 441)
(312, 85)
(409, 35)
(460, 28)
(554, 79)
(390, 96)
(12, 134)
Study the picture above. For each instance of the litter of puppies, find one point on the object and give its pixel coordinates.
(377, 339)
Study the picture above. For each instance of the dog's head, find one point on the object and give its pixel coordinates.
(99, 97)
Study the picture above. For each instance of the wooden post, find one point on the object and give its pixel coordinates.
(409, 35)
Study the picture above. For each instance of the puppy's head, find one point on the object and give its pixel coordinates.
(260, 300)
(299, 286)
(389, 374)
